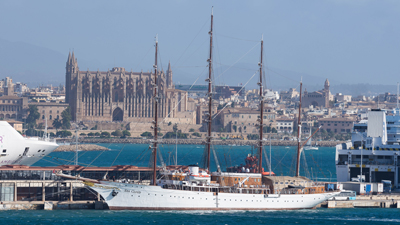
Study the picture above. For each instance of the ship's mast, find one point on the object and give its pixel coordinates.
(397, 95)
(298, 136)
(155, 97)
(209, 96)
(260, 144)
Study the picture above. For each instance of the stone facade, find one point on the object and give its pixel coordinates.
(284, 125)
(49, 111)
(244, 120)
(317, 98)
(7, 86)
(13, 107)
(337, 125)
(118, 95)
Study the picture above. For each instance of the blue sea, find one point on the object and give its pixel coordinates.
(317, 216)
(317, 165)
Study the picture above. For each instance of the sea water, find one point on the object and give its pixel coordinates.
(315, 164)
(318, 165)
(98, 217)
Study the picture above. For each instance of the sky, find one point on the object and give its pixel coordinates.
(352, 42)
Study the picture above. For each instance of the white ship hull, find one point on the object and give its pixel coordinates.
(18, 150)
(121, 196)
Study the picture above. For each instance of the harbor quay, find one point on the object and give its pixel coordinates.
(24, 187)
(366, 201)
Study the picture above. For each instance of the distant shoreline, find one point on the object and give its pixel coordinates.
(91, 141)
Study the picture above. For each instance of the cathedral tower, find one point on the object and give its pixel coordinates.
(326, 93)
(169, 77)
(71, 68)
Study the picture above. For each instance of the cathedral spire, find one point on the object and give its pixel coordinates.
(73, 57)
(69, 58)
(169, 66)
(169, 76)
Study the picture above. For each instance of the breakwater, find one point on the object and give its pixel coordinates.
(81, 147)
(200, 141)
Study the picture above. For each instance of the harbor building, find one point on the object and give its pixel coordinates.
(21, 183)
(374, 150)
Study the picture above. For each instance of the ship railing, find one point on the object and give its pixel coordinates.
(41, 139)
(214, 188)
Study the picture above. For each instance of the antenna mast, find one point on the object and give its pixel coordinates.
(155, 116)
(299, 136)
(209, 96)
(397, 95)
(260, 144)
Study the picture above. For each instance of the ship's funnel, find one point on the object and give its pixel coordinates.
(377, 126)
(194, 170)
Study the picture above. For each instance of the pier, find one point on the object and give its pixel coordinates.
(365, 201)
(30, 188)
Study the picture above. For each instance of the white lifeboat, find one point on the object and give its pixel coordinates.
(195, 176)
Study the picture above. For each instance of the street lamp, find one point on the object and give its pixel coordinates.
(361, 164)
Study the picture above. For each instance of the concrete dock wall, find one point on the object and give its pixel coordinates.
(364, 201)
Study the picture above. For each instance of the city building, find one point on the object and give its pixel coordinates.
(244, 120)
(284, 125)
(289, 95)
(20, 88)
(13, 107)
(337, 125)
(220, 91)
(7, 86)
(339, 97)
(319, 98)
(49, 111)
(188, 118)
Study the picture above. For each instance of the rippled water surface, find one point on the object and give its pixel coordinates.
(317, 216)
(315, 164)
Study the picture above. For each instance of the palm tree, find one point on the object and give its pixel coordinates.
(57, 124)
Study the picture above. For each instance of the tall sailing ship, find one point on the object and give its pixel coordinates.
(197, 189)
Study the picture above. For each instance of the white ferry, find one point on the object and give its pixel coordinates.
(373, 150)
(19, 150)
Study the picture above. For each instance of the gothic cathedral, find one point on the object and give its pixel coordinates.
(117, 95)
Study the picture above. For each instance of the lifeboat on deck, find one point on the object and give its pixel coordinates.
(198, 177)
